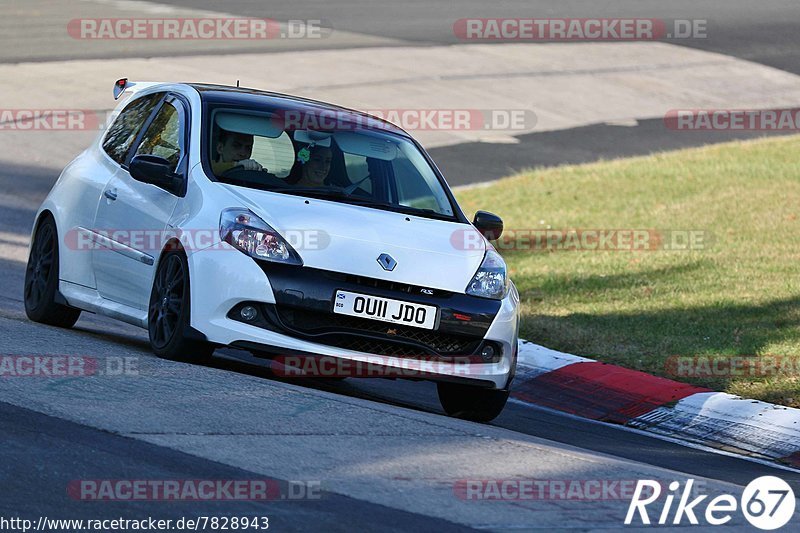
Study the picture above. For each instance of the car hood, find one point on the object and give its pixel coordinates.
(349, 238)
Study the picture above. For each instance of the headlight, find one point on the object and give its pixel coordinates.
(242, 229)
(491, 280)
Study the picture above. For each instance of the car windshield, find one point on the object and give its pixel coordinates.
(347, 164)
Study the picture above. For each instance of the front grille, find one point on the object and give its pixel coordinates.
(394, 286)
(371, 336)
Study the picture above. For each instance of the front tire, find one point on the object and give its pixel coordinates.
(168, 312)
(41, 280)
(471, 403)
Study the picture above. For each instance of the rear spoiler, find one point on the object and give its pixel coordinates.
(119, 87)
(122, 85)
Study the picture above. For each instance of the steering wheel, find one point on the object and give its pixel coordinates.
(252, 177)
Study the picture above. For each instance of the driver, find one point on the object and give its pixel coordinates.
(234, 150)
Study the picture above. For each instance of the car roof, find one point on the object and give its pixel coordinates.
(224, 94)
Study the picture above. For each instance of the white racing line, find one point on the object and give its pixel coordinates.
(673, 440)
(701, 420)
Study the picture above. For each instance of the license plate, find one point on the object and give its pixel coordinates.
(385, 309)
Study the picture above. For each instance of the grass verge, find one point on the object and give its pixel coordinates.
(734, 292)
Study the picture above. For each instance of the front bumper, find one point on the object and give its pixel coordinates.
(223, 278)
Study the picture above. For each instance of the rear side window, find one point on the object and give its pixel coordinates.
(124, 130)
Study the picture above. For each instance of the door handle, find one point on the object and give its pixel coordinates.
(111, 194)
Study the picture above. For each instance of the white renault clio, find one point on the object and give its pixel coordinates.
(219, 216)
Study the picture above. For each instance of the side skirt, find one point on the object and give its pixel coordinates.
(89, 300)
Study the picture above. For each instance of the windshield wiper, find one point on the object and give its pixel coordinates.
(317, 192)
(336, 194)
(405, 209)
(329, 193)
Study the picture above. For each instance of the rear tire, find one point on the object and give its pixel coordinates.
(41, 280)
(168, 312)
(471, 403)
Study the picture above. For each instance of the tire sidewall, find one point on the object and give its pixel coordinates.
(48, 298)
(172, 348)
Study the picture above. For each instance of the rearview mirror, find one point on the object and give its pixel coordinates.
(489, 224)
(154, 170)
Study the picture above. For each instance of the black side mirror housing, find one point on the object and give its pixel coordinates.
(489, 224)
(154, 170)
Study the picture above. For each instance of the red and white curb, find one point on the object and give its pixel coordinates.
(611, 393)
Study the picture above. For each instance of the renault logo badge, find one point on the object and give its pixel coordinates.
(387, 262)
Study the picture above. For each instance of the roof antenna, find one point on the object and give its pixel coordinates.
(237, 84)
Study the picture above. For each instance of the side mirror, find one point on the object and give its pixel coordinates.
(154, 170)
(489, 224)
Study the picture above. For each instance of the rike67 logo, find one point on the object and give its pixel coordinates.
(767, 503)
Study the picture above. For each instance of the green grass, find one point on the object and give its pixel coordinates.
(740, 295)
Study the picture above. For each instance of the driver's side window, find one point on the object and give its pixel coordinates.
(163, 137)
(122, 133)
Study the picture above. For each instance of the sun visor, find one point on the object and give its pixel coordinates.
(261, 124)
(319, 138)
(372, 146)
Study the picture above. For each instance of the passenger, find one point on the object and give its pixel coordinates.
(234, 150)
(316, 164)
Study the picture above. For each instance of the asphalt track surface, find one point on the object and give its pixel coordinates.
(41, 452)
(764, 32)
